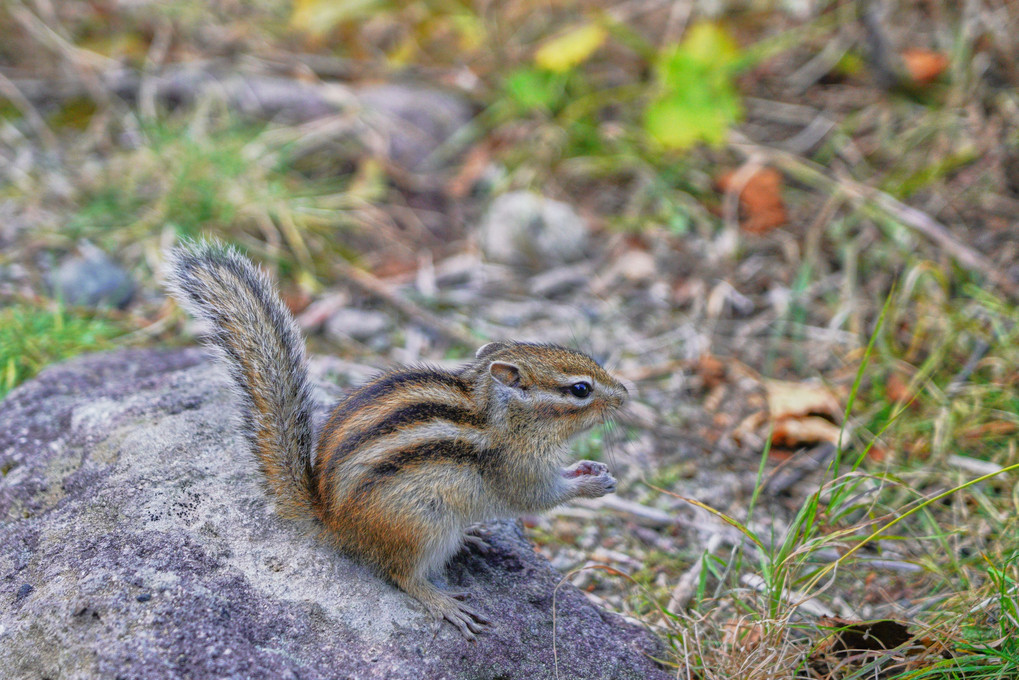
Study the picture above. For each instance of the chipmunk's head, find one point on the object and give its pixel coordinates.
(562, 387)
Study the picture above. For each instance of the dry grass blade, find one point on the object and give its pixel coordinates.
(915, 219)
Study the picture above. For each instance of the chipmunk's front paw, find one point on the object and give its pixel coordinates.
(592, 479)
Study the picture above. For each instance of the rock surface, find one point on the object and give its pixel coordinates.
(137, 543)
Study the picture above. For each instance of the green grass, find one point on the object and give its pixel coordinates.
(32, 337)
(222, 177)
(912, 507)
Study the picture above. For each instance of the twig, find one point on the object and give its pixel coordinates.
(915, 219)
(371, 285)
(38, 29)
(808, 137)
(883, 59)
(687, 584)
(153, 60)
(800, 600)
(974, 465)
(14, 95)
(643, 515)
(821, 64)
(979, 350)
(86, 63)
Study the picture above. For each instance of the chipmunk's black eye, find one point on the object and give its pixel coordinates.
(580, 389)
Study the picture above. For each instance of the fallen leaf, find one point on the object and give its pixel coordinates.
(924, 66)
(319, 17)
(793, 432)
(793, 399)
(897, 390)
(761, 206)
(295, 299)
(878, 453)
(742, 634)
(571, 48)
(711, 370)
(751, 430)
(697, 98)
(994, 428)
(803, 413)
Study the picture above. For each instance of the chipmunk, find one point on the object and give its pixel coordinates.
(407, 462)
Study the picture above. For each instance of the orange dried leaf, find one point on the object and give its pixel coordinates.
(994, 428)
(761, 206)
(878, 453)
(924, 66)
(711, 370)
(896, 389)
(792, 432)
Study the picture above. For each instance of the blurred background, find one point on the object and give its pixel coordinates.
(790, 225)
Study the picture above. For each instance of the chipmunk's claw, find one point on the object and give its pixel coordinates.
(476, 542)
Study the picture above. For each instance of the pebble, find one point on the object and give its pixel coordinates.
(358, 324)
(416, 121)
(526, 228)
(91, 279)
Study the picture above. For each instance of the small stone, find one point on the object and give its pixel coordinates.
(144, 597)
(416, 121)
(358, 324)
(635, 266)
(525, 228)
(92, 280)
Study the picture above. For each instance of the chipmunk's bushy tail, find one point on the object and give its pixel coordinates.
(259, 341)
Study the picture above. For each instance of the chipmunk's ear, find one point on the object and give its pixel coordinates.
(489, 349)
(507, 374)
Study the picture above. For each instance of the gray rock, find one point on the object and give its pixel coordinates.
(359, 324)
(138, 543)
(416, 122)
(92, 280)
(525, 228)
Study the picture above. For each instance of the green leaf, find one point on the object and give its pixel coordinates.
(697, 100)
(534, 89)
(709, 43)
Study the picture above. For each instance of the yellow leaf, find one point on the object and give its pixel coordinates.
(470, 31)
(570, 49)
(319, 17)
(709, 43)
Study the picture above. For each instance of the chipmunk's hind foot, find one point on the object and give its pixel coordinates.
(448, 607)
